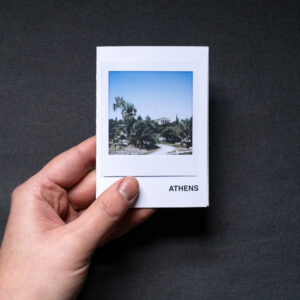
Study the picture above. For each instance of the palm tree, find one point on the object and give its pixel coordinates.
(143, 135)
(186, 132)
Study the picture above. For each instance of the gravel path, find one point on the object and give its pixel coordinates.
(163, 149)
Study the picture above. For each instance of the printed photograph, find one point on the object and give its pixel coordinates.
(150, 112)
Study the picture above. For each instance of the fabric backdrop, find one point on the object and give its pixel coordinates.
(246, 244)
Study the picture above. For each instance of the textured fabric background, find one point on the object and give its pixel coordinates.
(246, 245)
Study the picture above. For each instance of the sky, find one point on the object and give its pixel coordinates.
(155, 93)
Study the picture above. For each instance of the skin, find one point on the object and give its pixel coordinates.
(55, 224)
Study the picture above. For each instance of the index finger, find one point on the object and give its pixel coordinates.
(69, 167)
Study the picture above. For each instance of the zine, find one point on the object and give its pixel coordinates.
(152, 122)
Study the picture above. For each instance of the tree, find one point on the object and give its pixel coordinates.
(150, 124)
(186, 131)
(116, 130)
(128, 112)
(171, 134)
(112, 128)
(142, 135)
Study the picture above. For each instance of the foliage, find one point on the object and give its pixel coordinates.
(128, 112)
(115, 130)
(186, 131)
(171, 134)
(145, 133)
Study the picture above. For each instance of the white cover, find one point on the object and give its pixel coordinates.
(156, 174)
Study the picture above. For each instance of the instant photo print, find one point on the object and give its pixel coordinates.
(152, 122)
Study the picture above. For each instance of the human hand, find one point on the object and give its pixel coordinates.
(55, 225)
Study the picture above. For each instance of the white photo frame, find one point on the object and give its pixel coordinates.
(165, 181)
(193, 59)
(149, 165)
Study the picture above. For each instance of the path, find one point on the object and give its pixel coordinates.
(163, 149)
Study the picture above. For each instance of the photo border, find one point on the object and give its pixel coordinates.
(147, 165)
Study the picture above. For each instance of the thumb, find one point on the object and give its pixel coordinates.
(94, 224)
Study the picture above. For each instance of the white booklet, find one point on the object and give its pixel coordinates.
(152, 122)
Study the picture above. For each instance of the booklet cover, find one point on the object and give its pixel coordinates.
(152, 122)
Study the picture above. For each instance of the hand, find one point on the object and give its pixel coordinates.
(55, 225)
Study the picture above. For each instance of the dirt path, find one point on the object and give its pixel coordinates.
(163, 149)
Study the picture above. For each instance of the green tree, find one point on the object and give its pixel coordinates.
(112, 127)
(171, 134)
(186, 131)
(150, 124)
(116, 128)
(128, 112)
(143, 135)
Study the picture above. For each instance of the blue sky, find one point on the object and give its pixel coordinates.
(154, 93)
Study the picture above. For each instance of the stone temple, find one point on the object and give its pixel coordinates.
(162, 121)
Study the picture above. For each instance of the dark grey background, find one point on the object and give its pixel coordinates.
(246, 245)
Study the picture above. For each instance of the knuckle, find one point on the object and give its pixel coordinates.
(50, 192)
(55, 195)
(83, 157)
(16, 193)
(113, 205)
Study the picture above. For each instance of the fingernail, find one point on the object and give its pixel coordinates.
(129, 188)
